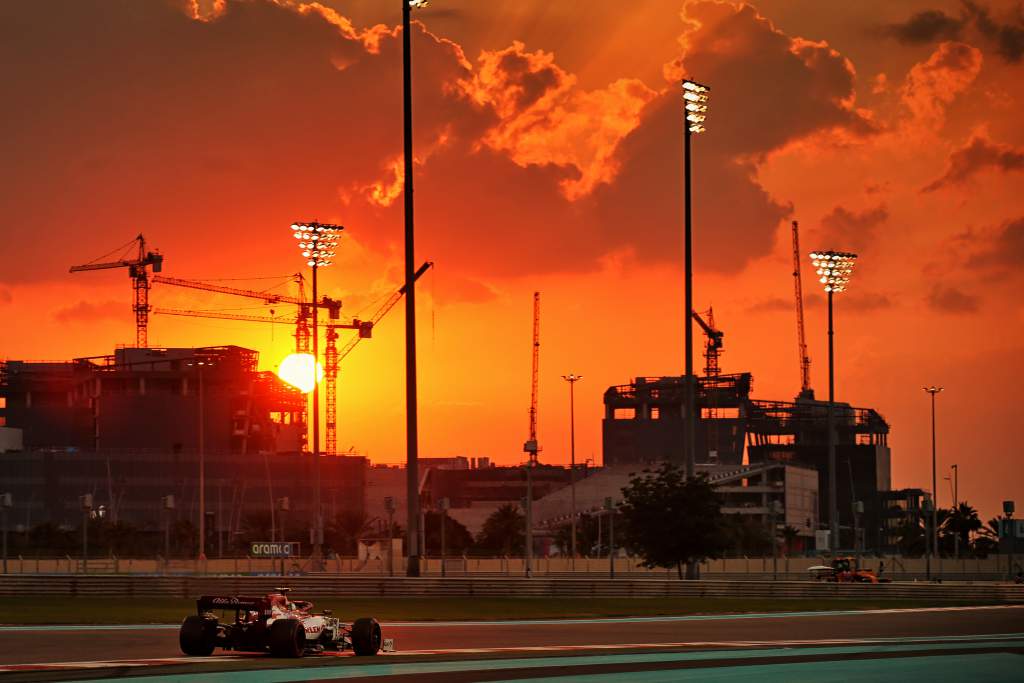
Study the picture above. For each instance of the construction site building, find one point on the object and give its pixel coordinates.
(149, 399)
(644, 424)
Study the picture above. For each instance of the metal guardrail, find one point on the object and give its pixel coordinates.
(387, 587)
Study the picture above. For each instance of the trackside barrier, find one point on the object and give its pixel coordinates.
(347, 586)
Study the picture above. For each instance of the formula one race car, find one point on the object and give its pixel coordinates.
(275, 624)
(845, 570)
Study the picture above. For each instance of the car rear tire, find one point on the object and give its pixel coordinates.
(287, 638)
(197, 636)
(366, 637)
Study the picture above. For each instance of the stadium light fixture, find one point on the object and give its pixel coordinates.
(317, 242)
(834, 269)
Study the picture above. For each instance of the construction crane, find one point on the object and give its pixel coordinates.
(333, 306)
(140, 281)
(712, 369)
(530, 447)
(805, 361)
(332, 355)
(714, 346)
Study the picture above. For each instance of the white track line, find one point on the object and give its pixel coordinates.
(747, 644)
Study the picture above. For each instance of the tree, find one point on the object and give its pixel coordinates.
(911, 541)
(504, 532)
(671, 520)
(457, 538)
(344, 531)
(961, 521)
(746, 536)
(789, 534)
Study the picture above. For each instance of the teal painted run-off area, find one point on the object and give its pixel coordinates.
(988, 666)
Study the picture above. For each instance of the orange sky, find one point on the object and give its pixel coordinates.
(548, 142)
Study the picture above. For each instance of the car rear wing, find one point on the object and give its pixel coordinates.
(233, 602)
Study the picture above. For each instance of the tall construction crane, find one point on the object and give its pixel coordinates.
(530, 447)
(333, 306)
(531, 444)
(140, 280)
(805, 360)
(714, 346)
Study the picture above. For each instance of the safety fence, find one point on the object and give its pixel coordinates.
(993, 568)
(125, 586)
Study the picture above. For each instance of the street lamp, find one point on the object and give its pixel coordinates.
(411, 425)
(956, 505)
(200, 364)
(935, 492)
(695, 103)
(572, 379)
(834, 269)
(317, 242)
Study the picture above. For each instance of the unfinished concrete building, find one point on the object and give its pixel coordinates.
(644, 423)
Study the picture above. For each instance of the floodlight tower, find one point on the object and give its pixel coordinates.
(834, 269)
(695, 101)
(317, 242)
(412, 485)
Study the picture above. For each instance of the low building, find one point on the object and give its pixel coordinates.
(745, 490)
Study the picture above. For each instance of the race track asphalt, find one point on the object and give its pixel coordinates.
(587, 648)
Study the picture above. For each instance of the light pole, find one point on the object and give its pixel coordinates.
(389, 507)
(609, 507)
(929, 507)
(412, 490)
(317, 242)
(834, 269)
(572, 379)
(695, 102)
(955, 470)
(935, 491)
(201, 363)
(774, 508)
(86, 504)
(442, 505)
(167, 504)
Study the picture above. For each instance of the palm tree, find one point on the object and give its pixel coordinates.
(960, 522)
(504, 531)
(344, 531)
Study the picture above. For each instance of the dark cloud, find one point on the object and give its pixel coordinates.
(1007, 250)
(977, 155)
(220, 131)
(844, 229)
(947, 299)
(87, 311)
(927, 27)
(853, 300)
(1008, 38)
(5, 296)
(772, 305)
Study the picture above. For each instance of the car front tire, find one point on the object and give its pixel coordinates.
(287, 638)
(366, 637)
